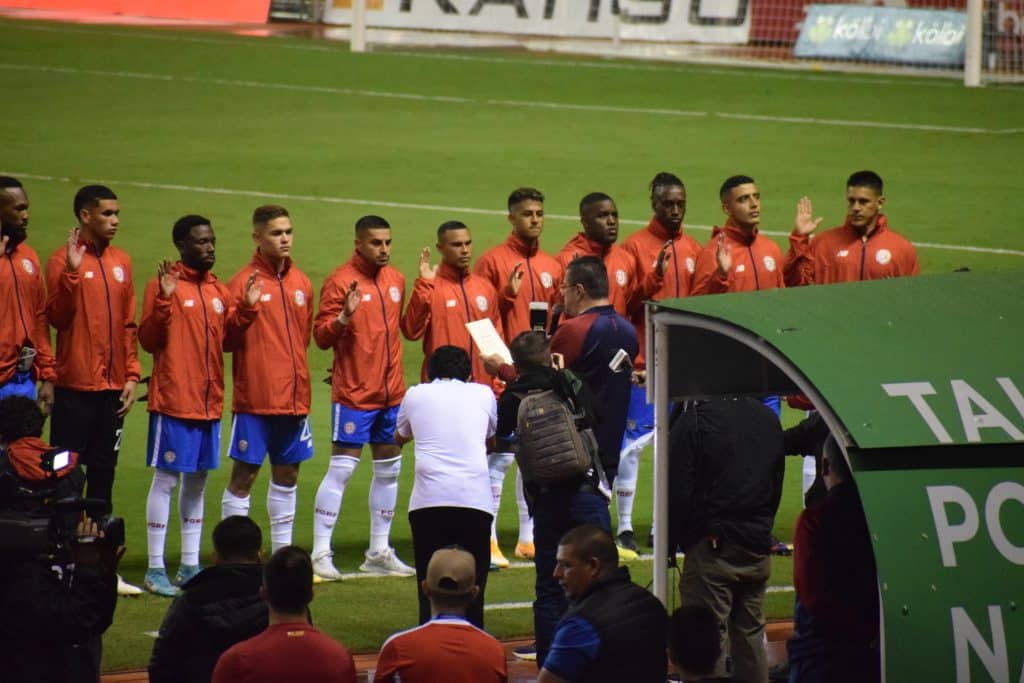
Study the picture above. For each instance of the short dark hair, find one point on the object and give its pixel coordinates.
(449, 225)
(836, 460)
(865, 179)
(590, 272)
(20, 417)
(371, 222)
(262, 215)
(731, 182)
(522, 194)
(665, 180)
(531, 350)
(590, 540)
(183, 226)
(288, 580)
(237, 539)
(449, 362)
(695, 641)
(593, 198)
(90, 196)
(7, 182)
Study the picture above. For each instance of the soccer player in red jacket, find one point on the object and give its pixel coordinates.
(862, 248)
(524, 277)
(270, 372)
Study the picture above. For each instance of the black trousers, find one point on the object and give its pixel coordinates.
(87, 423)
(439, 527)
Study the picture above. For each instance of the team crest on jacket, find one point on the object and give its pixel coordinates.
(883, 256)
(218, 305)
(620, 277)
(395, 294)
(691, 265)
(27, 265)
(481, 303)
(769, 263)
(546, 279)
(300, 297)
(118, 273)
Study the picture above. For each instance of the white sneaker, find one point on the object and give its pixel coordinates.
(126, 589)
(323, 566)
(386, 562)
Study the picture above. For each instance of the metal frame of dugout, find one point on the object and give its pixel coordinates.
(920, 380)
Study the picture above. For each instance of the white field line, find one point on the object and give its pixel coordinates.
(341, 47)
(488, 102)
(422, 207)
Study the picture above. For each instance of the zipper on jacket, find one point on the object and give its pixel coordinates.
(291, 346)
(675, 266)
(387, 341)
(529, 272)
(753, 264)
(110, 322)
(206, 342)
(863, 251)
(17, 297)
(469, 319)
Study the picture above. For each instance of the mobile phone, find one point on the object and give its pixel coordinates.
(538, 315)
(620, 362)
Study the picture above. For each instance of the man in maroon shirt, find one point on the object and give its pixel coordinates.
(290, 649)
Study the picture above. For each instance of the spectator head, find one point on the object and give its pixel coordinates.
(586, 282)
(585, 554)
(695, 641)
(373, 240)
(451, 580)
(449, 362)
(600, 218)
(531, 350)
(19, 417)
(237, 540)
(834, 468)
(288, 582)
(668, 200)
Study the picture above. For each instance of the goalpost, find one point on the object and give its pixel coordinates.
(977, 41)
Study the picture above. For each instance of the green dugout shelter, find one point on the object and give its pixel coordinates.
(920, 380)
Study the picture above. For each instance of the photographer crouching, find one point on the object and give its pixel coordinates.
(58, 572)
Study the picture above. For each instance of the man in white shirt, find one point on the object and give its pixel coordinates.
(451, 501)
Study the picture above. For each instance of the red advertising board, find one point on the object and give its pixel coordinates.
(247, 11)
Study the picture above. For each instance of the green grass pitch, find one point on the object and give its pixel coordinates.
(215, 124)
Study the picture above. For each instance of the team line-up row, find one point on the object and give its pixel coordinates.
(265, 317)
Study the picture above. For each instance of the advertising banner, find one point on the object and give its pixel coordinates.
(246, 11)
(705, 21)
(883, 34)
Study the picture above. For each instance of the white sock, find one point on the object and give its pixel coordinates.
(328, 501)
(281, 508)
(383, 496)
(810, 471)
(158, 513)
(525, 520)
(497, 465)
(191, 502)
(625, 486)
(231, 505)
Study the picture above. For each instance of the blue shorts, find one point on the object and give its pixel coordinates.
(180, 445)
(286, 438)
(639, 418)
(351, 428)
(20, 384)
(773, 402)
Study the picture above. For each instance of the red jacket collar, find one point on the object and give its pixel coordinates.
(451, 273)
(588, 247)
(193, 275)
(735, 233)
(521, 247)
(661, 232)
(364, 267)
(880, 227)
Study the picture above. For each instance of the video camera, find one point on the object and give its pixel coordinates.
(40, 518)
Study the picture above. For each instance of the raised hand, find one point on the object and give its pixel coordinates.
(515, 279)
(352, 298)
(723, 256)
(167, 278)
(253, 290)
(426, 271)
(75, 252)
(664, 256)
(804, 223)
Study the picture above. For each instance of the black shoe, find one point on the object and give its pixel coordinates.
(779, 672)
(650, 540)
(628, 541)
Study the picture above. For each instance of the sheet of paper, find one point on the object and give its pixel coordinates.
(487, 339)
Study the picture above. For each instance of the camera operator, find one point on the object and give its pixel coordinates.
(58, 579)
